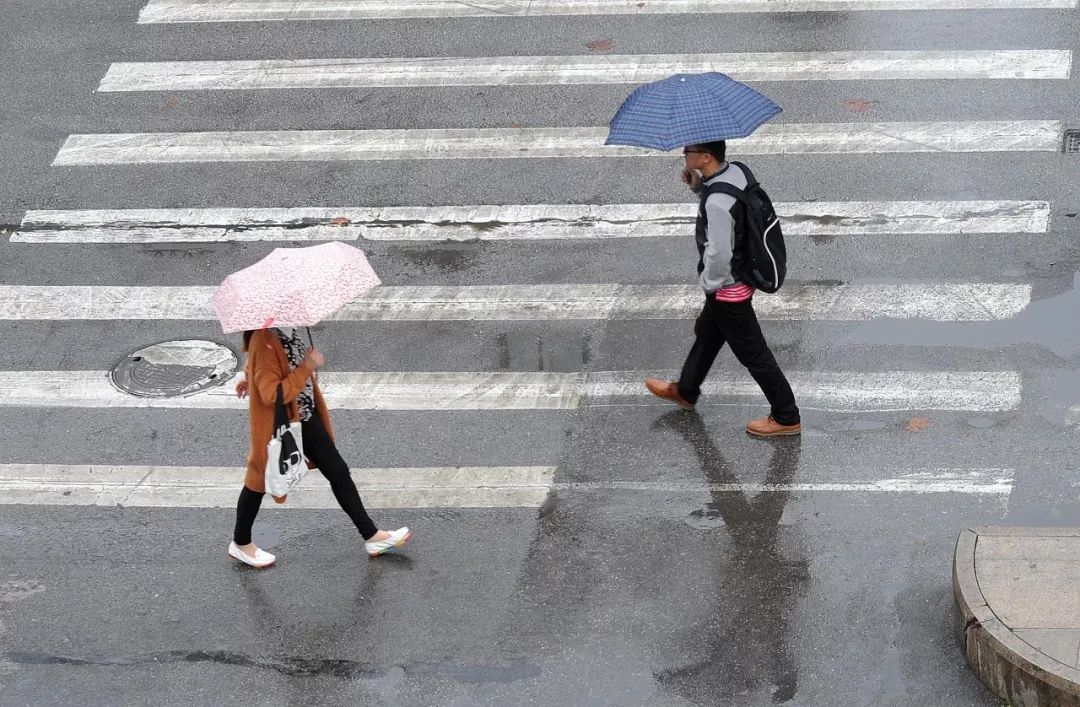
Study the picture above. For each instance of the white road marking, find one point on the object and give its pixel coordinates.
(985, 391)
(457, 487)
(218, 487)
(164, 11)
(539, 222)
(935, 301)
(988, 481)
(586, 69)
(512, 143)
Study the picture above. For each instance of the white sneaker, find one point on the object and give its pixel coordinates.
(262, 559)
(397, 538)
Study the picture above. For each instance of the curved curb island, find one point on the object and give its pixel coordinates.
(1018, 590)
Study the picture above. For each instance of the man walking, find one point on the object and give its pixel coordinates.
(728, 315)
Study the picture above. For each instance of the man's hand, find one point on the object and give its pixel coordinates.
(242, 388)
(691, 178)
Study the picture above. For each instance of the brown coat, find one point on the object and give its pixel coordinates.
(267, 366)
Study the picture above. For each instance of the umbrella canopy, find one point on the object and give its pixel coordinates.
(689, 109)
(293, 287)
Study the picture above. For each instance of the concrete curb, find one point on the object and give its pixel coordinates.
(1012, 668)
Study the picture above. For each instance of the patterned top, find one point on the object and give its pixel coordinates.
(295, 350)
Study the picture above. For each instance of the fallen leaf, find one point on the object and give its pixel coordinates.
(340, 221)
(601, 45)
(170, 102)
(917, 424)
(517, 125)
(859, 105)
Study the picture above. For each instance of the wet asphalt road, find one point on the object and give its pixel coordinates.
(639, 580)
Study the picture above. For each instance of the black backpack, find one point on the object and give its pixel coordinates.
(760, 258)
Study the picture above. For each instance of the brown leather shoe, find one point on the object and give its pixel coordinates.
(668, 390)
(768, 427)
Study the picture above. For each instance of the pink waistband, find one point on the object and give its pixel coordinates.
(734, 293)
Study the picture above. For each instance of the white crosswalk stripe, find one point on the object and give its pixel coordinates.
(513, 143)
(588, 69)
(264, 10)
(462, 487)
(978, 481)
(848, 391)
(216, 487)
(933, 301)
(516, 222)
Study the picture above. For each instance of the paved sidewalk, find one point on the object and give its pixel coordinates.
(1019, 594)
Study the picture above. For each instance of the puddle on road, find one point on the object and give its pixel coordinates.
(445, 259)
(1055, 395)
(1048, 322)
(854, 425)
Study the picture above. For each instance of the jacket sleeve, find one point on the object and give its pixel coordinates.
(721, 241)
(266, 373)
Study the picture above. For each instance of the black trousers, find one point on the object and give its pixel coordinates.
(320, 449)
(735, 324)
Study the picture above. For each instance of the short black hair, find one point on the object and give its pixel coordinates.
(717, 149)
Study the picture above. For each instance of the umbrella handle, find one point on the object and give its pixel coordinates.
(311, 342)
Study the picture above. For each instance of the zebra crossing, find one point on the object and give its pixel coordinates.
(562, 70)
(521, 143)
(417, 302)
(462, 487)
(984, 391)
(518, 222)
(171, 11)
(201, 487)
(934, 301)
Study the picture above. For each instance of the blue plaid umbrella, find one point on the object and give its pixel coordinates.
(689, 109)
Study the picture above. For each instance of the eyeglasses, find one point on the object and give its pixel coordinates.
(688, 151)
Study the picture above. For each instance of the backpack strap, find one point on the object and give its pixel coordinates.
(730, 189)
(709, 190)
(724, 188)
(751, 180)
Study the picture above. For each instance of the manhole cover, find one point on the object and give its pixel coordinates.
(174, 368)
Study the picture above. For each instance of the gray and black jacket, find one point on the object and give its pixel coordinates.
(715, 233)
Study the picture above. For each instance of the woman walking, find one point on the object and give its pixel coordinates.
(277, 358)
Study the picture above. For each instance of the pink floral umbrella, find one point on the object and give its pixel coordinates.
(293, 287)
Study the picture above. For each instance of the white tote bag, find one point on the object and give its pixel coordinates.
(285, 463)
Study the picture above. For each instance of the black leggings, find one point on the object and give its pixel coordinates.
(321, 451)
